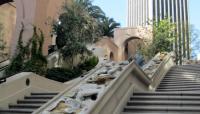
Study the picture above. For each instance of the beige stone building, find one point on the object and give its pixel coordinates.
(125, 42)
(40, 13)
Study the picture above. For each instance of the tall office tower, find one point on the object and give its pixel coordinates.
(140, 11)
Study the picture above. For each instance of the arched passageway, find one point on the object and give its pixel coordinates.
(111, 56)
(131, 46)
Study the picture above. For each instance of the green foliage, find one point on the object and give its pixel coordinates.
(29, 58)
(63, 75)
(108, 26)
(163, 38)
(89, 63)
(77, 26)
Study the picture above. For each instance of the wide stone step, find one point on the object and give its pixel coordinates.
(44, 94)
(182, 77)
(179, 84)
(163, 103)
(185, 82)
(32, 101)
(167, 94)
(25, 106)
(181, 73)
(183, 69)
(39, 97)
(180, 89)
(194, 98)
(159, 112)
(14, 111)
(182, 81)
(177, 80)
(162, 108)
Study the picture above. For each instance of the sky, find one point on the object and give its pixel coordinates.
(116, 9)
(194, 7)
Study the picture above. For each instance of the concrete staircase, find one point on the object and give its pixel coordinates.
(28, 104)
(178, 93)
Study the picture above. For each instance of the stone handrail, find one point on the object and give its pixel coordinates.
(161, 71)
(69, 86)
(131, 80)
(113, 99)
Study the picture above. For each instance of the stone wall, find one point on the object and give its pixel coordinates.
(8, 19)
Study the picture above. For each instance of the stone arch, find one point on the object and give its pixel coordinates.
(112, 56)
(131, 46)
(125, 36)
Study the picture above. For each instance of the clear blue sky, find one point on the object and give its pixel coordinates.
(118, 10)
(194, 6)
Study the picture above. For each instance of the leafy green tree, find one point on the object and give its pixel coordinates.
(163, 38)
(75, 28)
(93, 10)
(108, 26)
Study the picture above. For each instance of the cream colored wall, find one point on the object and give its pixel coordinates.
(108, 44)
(25, 14)
(35, 12)
(46, 12)
(15, 87)
(8, 19)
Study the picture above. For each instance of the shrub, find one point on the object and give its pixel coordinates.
(63, 75)
(89, 63)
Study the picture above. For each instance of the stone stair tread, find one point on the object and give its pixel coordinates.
(183, 86)
(32, 101)
(167, 93)
(179, 89)
(164, 108)
(179, 82)
(162, 102)
(165, 98)
(159, 112)
(25, 106)
(40, 93)
(25, 111)
(39, 97)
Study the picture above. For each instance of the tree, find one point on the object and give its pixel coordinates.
(108, 26)
(163, 38)
(75, 28)
(93, 10)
